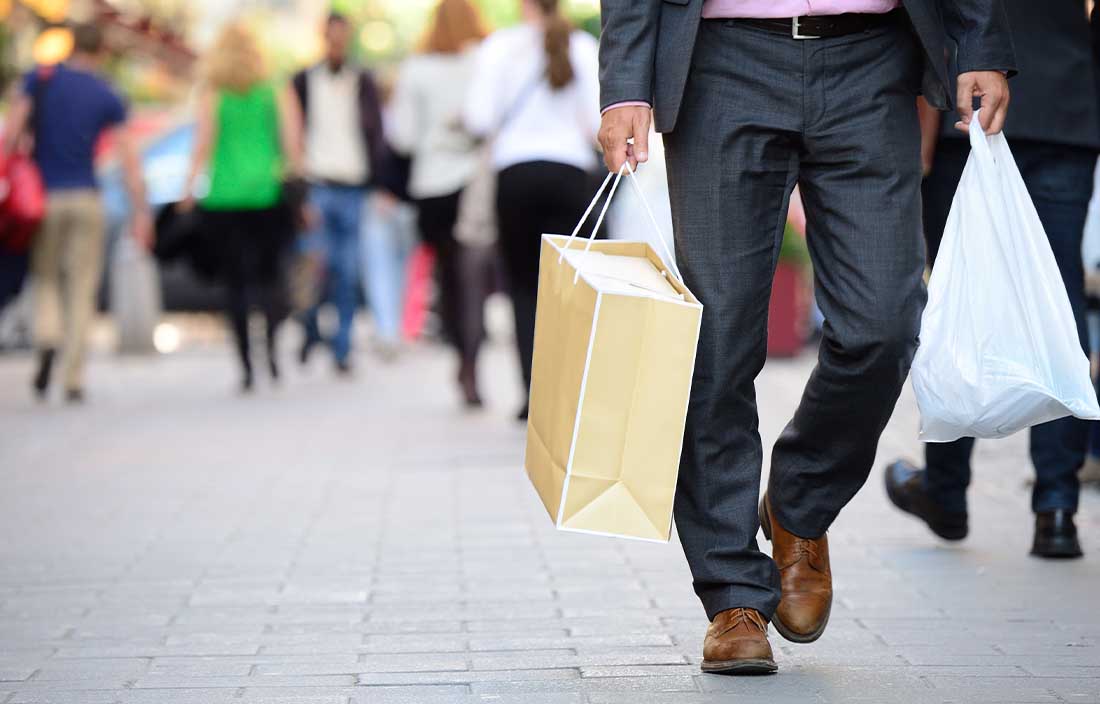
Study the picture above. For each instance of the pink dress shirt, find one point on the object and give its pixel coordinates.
(793, 8)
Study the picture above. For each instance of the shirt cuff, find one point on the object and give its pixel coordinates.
(626, 104)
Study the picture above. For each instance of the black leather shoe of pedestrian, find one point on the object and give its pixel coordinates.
(1055, 535)
(41, 381)
(905, 487)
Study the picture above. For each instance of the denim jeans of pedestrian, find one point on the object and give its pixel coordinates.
(1059, 179)
(388, 238)
(340, 213)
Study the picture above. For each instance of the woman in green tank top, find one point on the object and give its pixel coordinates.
(247, 137)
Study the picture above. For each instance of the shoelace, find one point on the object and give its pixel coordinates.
(750, 618)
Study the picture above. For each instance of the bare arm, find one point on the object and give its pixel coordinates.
(16, 122)
(290, 132)
(129, 157)
(200, 151)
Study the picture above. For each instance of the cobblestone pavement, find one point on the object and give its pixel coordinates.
(365, 541)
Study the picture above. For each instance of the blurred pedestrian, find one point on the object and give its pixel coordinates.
(536, 94)
(72, 107)
(344, 155)
(247, 135)
(427, 124)
(1055, 130)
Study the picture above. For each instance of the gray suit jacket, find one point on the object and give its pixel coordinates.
(646, 48)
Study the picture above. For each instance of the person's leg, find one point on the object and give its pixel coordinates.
(342, 237)
(732, 164)
(83, 264)
(270, 233)
(860, 183)
(45, 270)
(382, 264)
(1059, 181)
(235, 274)
(320, 200)
(519, 191)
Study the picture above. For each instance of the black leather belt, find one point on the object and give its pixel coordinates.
(823, 26)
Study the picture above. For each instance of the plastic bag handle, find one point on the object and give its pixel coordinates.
(625, 168)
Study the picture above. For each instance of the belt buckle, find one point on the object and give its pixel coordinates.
(796, 34)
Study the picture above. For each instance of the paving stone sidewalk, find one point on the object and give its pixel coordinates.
(332, 542)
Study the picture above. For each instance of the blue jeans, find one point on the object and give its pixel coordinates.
(388, 239)
(340, 210)
(1059, 180)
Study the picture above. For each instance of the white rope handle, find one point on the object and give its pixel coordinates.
(625, 168)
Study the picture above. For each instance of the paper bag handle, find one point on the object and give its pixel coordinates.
(670, 261)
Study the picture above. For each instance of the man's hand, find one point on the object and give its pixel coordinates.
(992, 87)
(619, 125)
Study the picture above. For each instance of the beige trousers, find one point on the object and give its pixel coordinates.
(66, 263)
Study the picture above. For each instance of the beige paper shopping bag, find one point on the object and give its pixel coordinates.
(615, 338)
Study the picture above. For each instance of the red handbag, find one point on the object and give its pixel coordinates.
(22, 192)
(22, 201)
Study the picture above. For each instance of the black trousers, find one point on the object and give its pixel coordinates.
(837, 116)
(253, 247)
(1059, 181)
(466, 275)
(533, 199)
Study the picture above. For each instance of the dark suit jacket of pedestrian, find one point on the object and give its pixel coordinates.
(646, 47)
(1054, 99)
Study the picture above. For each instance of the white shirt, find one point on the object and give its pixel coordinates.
(334, 138)
(540, 124)
(426, 122)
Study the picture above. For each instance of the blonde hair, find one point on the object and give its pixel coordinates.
(235, 61)
(455, 25)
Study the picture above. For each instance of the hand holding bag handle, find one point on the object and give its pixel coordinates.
(670, 262)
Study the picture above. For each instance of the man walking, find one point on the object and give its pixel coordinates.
(1055, 134)
(344, 150)
(72, 107)
(753, 97)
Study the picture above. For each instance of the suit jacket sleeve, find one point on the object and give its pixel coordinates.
(628, 47)
(981, 32)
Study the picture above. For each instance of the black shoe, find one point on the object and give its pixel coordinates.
(41, 381)
(467, 382)
(905, 487)
(1055, 535)
(343, 368)
(522, 415)
(247, 382)
(74, 396)
(303, 353)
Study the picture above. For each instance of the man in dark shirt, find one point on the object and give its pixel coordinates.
(72, 107)
(1054, 132)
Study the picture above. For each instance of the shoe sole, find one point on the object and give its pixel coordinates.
(758, 666)
(780, 627)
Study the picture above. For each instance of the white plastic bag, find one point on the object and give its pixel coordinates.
(999, 349)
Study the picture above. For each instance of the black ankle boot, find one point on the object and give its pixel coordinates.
(1055, 535)
(45, 367)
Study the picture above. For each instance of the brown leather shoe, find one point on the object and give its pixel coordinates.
(804, 575)
(737, 644)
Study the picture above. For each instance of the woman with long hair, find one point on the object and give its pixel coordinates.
(247, 138)
(536, 93)
(427, 125)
